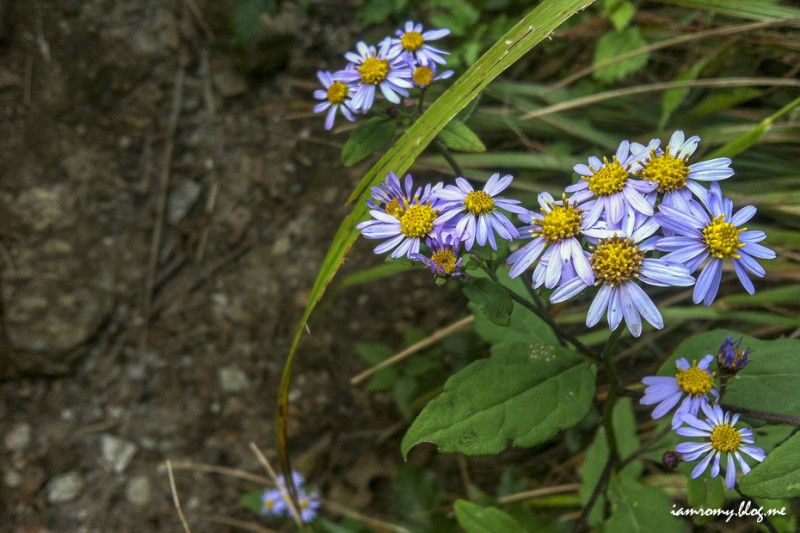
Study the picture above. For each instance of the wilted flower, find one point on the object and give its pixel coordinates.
(731, 358)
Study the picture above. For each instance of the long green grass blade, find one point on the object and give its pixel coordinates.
(748, 139)
(745, 9)
(528, 32)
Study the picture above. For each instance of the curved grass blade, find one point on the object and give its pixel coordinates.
(526, 34)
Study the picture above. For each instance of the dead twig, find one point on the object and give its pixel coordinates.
(284, 493)
(175, 498)
(161, 205)
(433, 338)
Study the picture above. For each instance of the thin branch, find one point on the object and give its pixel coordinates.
(175, 499)
(433, 338)
(290, 502)
(601, 485)
(378, 524)
(538, 493)
(241, 474)
(449, 158)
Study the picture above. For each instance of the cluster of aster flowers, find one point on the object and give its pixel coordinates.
(642, 217)
(443, 217)
(645, 200)
(396, 65)
(698, 414)
(273, 501)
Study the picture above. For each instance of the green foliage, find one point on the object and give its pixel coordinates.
(246, 19)
(490, 300)
(417, 496)
(521, 396)
(476, 519)
(673, 98)
(369, 136)
(613, 44)
(637, 508)
(778, 476)
(377, 11)
(708, 493)
(597, 456)
(252, 501)
(618, 12)
(457, 136)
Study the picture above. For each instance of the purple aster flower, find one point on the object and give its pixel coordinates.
(445, 260)
(371, 68)
(413, 41)
(713, 233)
(731, 358)
(308, 505)
(391, 196)
(694, 381)
(670, 170)
(720, 437)
(478, 215)
(424, 74)
(616, 263)
(335, 97)
(608, 188)
(555, 233)
(272, 503)
(404, 226)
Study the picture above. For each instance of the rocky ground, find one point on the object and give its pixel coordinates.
(165, 203)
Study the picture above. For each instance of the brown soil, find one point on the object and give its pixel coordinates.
(164, 206)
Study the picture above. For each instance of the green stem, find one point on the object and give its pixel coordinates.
(614, 385)
(449, 158)
(563, 336)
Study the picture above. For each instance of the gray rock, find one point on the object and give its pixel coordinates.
(117, 453)
(181, 200)
(232, 379)
(19, 437)
(64, 488)
(138, 491)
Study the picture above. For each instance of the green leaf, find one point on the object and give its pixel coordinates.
(619, 13)
(613, 44)
(779, 475)
(521, 396)
(252, 501)
(706, 492)
(746, 9)
(530, 30)
(457, 136)
(488, 298)
(748, 139)
(639, 508)
(368, 137)
(769, 381)
(246, 20)
(416, 493)
(596, 457)
(476, 519)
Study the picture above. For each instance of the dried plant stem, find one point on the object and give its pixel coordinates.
(175, 499)
(287, 497)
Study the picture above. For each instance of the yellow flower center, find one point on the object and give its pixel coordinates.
(303, 503)
(417, 221)
(722, 238)
(695, 381)
(373, 70)
(395, 209)
(725, 438)
(445, 259)
(412, 41)
(616, 260)
(422, 76)
(668, 172)
(337, 92)
(269, 504)
(609, 179)
(562, 222)
(478, 202)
